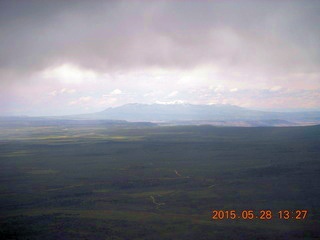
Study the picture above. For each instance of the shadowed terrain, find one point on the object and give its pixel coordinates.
(105, 181)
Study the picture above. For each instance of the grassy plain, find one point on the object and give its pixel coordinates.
(108, 182)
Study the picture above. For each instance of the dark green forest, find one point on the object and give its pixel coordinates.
(148, 182)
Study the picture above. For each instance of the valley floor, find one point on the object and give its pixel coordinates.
(100, 182)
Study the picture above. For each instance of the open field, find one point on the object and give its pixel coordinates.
(102, 182)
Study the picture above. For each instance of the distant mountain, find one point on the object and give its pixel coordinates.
(203, 113)
(171, 112)
(148, 115)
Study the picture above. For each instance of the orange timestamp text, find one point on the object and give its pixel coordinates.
(265, 214)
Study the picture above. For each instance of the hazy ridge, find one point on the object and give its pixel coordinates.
(180, 114)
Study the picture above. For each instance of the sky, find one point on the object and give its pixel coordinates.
(71, 57)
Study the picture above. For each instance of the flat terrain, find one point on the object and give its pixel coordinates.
(109, 182)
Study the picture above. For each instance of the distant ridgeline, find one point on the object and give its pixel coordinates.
(181, 114)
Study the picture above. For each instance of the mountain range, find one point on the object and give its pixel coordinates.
(136, 115)
(218, 114)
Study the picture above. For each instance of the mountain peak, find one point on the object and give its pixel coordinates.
(184, 112)
(175, 111)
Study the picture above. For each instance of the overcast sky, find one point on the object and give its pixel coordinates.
(66, 57)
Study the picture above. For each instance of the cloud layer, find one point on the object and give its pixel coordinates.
(237, 44)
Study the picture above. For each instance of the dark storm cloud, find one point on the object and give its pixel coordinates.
(103, 35)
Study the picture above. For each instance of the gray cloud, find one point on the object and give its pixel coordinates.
(267, 36)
